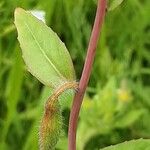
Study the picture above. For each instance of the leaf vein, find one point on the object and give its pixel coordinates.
(43, 52)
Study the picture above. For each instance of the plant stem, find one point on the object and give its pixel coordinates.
(101, 9)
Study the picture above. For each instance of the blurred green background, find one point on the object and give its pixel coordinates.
(117, 102)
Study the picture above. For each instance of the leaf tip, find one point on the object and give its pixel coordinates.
(18, 10)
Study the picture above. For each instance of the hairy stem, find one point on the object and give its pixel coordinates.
(101, 9)
(58, 91)
(51, 124)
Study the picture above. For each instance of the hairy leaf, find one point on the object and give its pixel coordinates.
(44, 54)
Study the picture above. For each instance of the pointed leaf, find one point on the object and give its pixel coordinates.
(44, 54)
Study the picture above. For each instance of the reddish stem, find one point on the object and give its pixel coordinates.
(101, 9)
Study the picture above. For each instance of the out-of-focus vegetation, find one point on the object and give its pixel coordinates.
(116, 107)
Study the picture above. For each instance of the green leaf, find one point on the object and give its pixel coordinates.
(140, 144)
(45, 55)
(114, 4)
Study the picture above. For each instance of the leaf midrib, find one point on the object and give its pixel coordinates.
(43, 52)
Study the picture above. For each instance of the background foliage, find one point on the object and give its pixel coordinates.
(116, 106)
